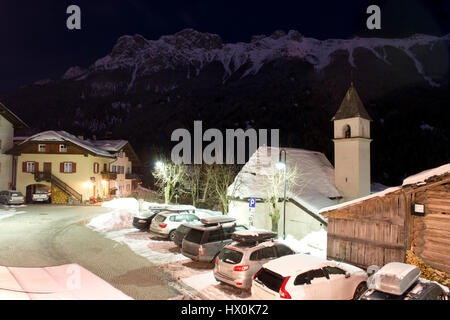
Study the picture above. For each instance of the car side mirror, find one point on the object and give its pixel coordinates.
(347, 275)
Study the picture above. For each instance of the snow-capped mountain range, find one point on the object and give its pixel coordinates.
(193, 51)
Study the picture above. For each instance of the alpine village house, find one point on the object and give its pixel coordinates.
(73, 169)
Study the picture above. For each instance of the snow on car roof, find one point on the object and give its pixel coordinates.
(296, 263)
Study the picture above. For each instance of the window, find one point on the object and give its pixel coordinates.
(41, 148)
(283, 250)
(62, 148)
(230, 256)
(214, 235)
(67, 166)
(120, 154)
(307, 277)
(347, 131)
(30, 166)
(334, 270)
(261, 254)
(128, 187)
(113, 169)
(128, 168)
(96, 167)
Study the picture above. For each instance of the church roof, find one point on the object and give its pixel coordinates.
(314, 187)
(351, 106)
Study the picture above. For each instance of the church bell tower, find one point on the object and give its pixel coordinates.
(352, 147)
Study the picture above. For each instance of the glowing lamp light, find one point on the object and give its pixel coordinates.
(281, 166)
(159, 164)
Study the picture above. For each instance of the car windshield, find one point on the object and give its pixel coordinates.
(270, 279)
(194, 236)
(230, 256)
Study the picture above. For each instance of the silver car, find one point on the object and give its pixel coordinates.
(237, 263)
(11, 197)
(204, 243)
(165, 223)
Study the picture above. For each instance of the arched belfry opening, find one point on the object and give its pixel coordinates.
(347, 131)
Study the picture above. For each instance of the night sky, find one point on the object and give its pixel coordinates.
(36, 44)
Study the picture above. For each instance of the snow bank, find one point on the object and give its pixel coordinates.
(9, 213)
(130, 204)
(116, 219)
(315, 243)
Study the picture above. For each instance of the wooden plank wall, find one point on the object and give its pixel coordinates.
(371, 232)
(431, 233)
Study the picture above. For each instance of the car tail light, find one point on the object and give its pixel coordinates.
(201, 251)
(254, 276)
(283, 293)
(217, 260)
(163, 225)
(241, 268)
(10, 198)
(239, 283)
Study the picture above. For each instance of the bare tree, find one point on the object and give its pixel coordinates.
(169, 177)
(193, 179)
(275, 190)
(221, 177)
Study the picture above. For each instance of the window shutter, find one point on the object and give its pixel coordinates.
(24, 166)
(36, 166)
(105, 167)
(61, 167)
(74, 167)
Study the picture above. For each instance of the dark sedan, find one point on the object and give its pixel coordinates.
(143, 220)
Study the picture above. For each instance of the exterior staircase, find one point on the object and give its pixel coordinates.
(47, 176)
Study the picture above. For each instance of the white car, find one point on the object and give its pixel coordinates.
(166, 223)
(305, 277)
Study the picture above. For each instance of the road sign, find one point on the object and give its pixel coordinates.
(251, 202)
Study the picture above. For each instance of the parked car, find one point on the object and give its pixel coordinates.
(239, 261)
(182, 230)
(203, 243)
(41, 196)
(165, 223)
(305, 277)
(11, 197)
(143, 219)
(401, 281)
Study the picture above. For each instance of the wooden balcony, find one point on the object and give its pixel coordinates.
(109, 175)
(132, 176)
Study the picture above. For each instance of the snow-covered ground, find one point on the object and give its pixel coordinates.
(9, 211)
(116, 225)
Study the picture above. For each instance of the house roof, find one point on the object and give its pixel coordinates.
(314, 188)
(422, 177)
(351, 106)
(63, 136)
(109, 145)
(11, 117)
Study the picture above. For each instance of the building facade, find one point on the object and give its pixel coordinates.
(8, 122)
(74, 170)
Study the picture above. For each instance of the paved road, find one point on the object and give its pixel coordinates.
(47, 235)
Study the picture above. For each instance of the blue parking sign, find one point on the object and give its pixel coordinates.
(252, 203)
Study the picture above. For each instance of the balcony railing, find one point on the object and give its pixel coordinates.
(109, 175)
(133, 176)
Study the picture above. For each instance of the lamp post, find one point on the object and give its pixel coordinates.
(281, 165)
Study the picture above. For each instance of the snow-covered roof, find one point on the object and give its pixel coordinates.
(358, 200)
(313, 188)
(109, 145)
(421, 177)
(63, 136)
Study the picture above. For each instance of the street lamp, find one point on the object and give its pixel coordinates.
(281, 165)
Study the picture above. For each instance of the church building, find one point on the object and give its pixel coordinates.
(318, 184)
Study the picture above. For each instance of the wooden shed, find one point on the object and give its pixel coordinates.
(380, 228)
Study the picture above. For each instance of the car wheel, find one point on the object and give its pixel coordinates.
(172, 235)
(360, 289)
